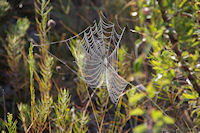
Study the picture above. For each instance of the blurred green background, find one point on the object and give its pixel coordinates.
(159, 49)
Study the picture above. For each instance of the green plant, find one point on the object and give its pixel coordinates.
(42, 10)
(32, 90)
(62, 112)
(46, 62)
(42, 113)
(170, 28)
(24, 114)
(163, 56)
(4, 7)
(15, 51)
(80, 121)
(10, 125)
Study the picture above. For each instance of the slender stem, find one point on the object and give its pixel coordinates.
(101, 125)
(4, 107)
(93, 108)
(32, 90)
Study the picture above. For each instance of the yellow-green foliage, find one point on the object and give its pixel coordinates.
(10, 125)
(171, 31)
(163, 55)
(46, 112)
(62, 111)
(32, 90)
(15, 49)
(40, 112)
(4, 7)
(42, 10)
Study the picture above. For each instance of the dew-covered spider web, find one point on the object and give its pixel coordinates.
(96, 55)
(95, 50)
(99, 67)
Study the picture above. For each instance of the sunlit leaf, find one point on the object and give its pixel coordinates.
(140, 129)
(168, 120)
(137, 111)
(156, 114)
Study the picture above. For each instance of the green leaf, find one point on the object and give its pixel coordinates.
(135, 98)
(159, 32)
(137, 28)
(168, 120)
(137, 111)
(182, 3)
(197, 110)
(185, 54)
(195, 56)
(138, 63)
(172, 71)
(140, 128)
(47, 12)
(10, 125)
(197, 5)
(22, 26)
(151, 90)
(4, 7)
(156, 114)
(158, 125)
(189, 96)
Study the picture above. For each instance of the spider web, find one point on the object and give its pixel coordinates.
(97, 57)
(99, 67)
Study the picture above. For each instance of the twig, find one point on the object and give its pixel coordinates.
(4, 106)
(100, 129)
(150, 123)
(90, 99)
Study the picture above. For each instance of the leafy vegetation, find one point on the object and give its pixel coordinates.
(159, 57)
